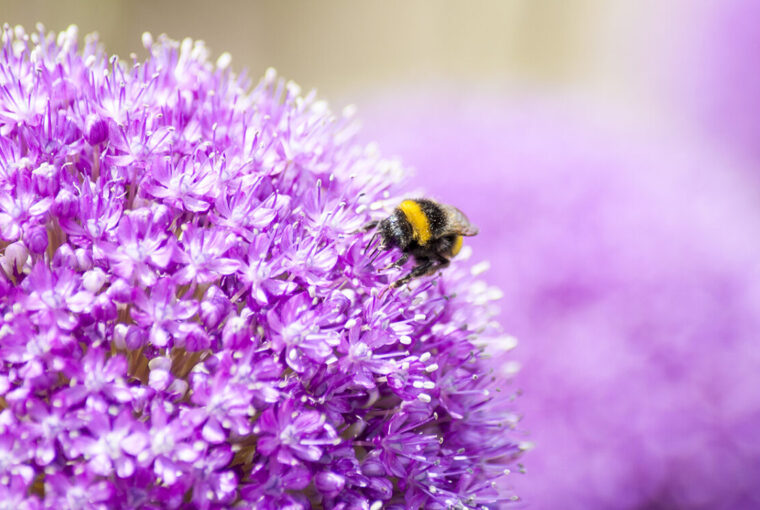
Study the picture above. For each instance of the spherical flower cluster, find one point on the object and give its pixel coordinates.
(631, 271)
(189, 318)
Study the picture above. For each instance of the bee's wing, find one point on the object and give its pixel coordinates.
(457, 222)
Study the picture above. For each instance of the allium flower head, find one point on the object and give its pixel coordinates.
(188, 317)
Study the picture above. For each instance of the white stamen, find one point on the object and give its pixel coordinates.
(480, 268)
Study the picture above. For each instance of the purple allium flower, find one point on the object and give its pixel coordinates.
(630, 265)
(187, 314)
(64, 489)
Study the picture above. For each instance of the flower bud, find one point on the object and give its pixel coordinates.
(380, 488)
(214, 307)
(93, 280)
(121, 291)
(135, 337)
(329, 483)
(235, 333)
(16, 255)
(162, 216)
(160, 373)
(119, 336)
(64, 257)
(36, 239)
(84, 259)
(195, 338)
(96, 129)
(103, 308)
(45, 180)
(66, 204)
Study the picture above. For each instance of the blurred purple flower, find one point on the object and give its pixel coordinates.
(630, 267)
(214, 485)
(276, 486)
(292, 435)
(709, 69)
(142, 247)
(203, 260)
(112, 444)
(163, 313)
(80, 490)
(21, 209)
(187, 315)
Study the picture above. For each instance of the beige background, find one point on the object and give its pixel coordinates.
(346, 47)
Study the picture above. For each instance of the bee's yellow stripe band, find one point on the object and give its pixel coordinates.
(417, 218)
(457, 246)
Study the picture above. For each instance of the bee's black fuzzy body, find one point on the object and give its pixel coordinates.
(426, 230)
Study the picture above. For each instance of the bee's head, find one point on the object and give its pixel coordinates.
(395, 230)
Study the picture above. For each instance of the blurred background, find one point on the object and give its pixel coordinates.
(609, 153)
(654, 57)
(342, 48)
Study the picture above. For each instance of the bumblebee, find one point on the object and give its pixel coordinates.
(424, 229)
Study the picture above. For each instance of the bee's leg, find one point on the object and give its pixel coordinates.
(369, 226)
(378, 249)
(373, 254)
(420, 269)
(398, 263)
(442, 263)
(366, 227)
